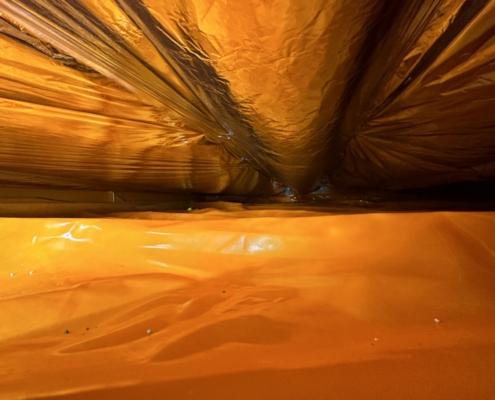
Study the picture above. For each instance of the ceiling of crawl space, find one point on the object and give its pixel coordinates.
(246, 97)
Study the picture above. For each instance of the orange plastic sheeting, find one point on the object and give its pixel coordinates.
(362, 93)
(249, 305)
(422, 114)
(64, 127)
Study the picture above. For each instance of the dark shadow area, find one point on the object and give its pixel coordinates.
(33, 202)
(456, 373)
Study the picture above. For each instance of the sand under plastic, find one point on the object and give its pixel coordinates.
(249, 305)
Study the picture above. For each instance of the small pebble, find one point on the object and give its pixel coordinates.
(189, 209)
(30, 273)
(12, 274)
(66, 332)
(436, 320)
(149, 331)
(375, 339)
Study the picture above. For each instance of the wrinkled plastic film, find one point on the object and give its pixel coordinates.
(74, 29)
(423, 118)
(110, 107)
(69, 128)
(253, 304)
(287, 64)
(374, 94)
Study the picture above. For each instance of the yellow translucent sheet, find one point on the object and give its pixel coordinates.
(249, 305)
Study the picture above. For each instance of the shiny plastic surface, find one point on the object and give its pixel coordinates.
(422, 113)
(102, 101)
(220, 97)
(249, 305)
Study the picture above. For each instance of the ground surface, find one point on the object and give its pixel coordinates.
(249, 305)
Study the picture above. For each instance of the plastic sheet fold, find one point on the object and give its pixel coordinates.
(420, 115)
(62, 127)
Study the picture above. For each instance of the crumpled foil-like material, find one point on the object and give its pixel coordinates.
(421, 114)
(224, 97)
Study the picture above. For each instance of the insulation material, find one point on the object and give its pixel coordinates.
(249, 305)
(421, 114)
(287, 64)
(67, 128)
(376, 94)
